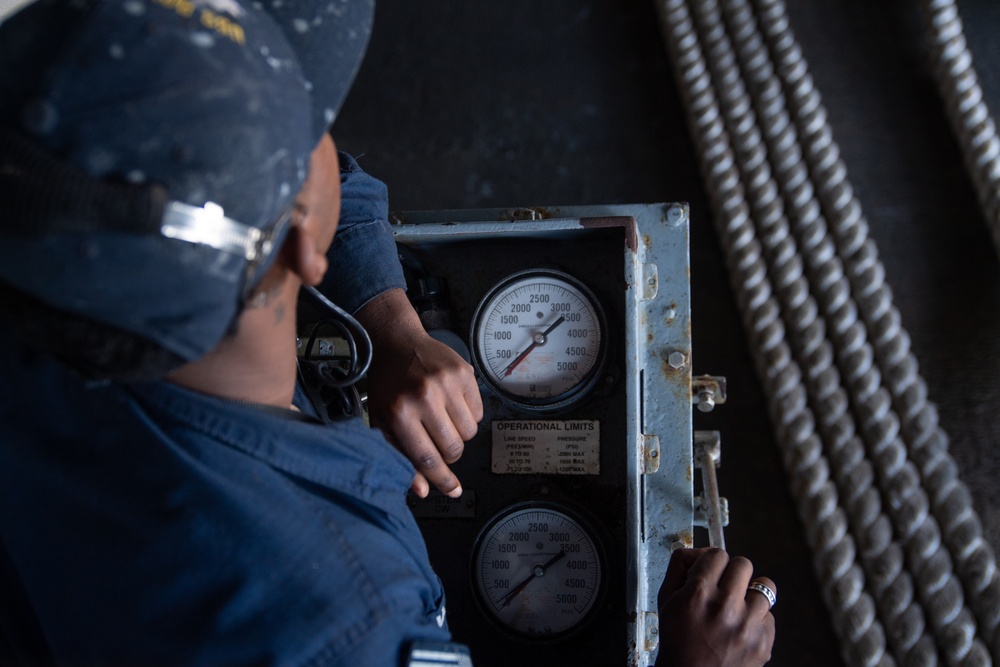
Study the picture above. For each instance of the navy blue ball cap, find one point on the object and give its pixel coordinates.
(204, 111)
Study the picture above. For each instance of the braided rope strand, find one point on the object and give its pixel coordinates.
(880, 556)
(862, 636)
(948, 498)
(970, 118)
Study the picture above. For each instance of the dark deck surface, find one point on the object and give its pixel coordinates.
(527, 103)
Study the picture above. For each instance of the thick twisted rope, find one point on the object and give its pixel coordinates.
(947, 497)
(881, 557)
(837, 266)
(861, 636)
(970, 118)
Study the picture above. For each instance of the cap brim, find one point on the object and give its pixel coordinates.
(330, 38)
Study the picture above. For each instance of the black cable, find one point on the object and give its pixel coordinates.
(355, 335)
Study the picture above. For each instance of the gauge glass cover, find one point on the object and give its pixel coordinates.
(537, 572)
(539, 338)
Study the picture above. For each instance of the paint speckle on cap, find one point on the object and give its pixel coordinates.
(300, 25)
(329, 115)
(116, 51)
(284, 190)
(227, 7)
(202, 39)
(273, 161)
(135, 8)
(136, 176)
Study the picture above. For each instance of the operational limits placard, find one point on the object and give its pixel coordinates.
(549, 447)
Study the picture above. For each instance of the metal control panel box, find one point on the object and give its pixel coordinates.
(580, 479)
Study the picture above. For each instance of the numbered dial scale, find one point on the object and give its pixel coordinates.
(538, 339)
(537, 571)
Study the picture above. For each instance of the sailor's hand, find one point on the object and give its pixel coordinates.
(421, 393)
(709, 615)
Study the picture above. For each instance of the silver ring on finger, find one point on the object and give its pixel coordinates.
(772, 599)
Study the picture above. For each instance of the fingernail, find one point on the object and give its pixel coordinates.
(455, 493)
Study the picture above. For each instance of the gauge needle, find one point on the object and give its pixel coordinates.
(537, 571)
(539, 339)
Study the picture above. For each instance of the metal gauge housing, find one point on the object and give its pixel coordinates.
(539, 339)
(538, 571)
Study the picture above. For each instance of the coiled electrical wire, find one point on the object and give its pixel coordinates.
(970, 118)
(862, 636)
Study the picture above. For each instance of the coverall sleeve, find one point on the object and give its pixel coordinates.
(363, 258)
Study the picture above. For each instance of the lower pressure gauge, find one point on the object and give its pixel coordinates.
(538, 339)
(537, 571)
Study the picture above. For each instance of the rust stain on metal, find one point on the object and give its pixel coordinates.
(678, 379)
(671, 315)
(627, 223)
(690, 473)
(526, 213)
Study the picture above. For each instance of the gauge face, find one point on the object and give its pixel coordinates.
(537, 572)
(539, 339)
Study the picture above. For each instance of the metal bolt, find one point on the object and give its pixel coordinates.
(675, 215)
(706, 400)
(677, 360)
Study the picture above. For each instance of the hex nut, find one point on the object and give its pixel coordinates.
(677, 360)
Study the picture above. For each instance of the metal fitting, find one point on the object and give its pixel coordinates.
(706, 400)
(676, 215)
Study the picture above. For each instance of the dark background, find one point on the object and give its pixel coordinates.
(570, 102)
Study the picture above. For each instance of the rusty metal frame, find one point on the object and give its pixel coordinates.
(660, 467)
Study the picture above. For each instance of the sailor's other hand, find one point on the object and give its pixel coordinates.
(709, 615)
(421, 393)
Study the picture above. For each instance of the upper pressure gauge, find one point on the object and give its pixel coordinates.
(538, 339)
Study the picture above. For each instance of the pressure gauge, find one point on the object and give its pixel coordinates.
(538, 339)
(537, 571)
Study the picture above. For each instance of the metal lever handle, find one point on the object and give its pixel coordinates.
(713, 510)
